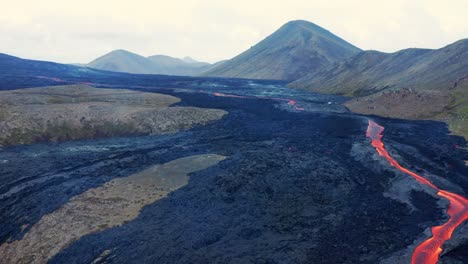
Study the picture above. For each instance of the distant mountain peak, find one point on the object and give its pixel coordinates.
(121, 51)
(294, 50)
(118, 53)
(302, 23)
(125, 61)
(188, 59)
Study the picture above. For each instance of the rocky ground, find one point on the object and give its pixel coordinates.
(295, 187)
(73, 112)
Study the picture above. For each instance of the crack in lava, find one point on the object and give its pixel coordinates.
(428, 251)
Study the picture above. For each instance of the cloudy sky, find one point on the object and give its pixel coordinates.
(211, 30)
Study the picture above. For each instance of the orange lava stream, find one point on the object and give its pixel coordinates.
(290, 101)
(427, 252)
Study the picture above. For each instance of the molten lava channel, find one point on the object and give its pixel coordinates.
(428, 251)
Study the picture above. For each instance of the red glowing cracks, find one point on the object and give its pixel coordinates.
(290, 101)
(427, 252)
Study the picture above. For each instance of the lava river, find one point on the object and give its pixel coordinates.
(427, 252)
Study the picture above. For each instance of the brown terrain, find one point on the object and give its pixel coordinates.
(447, 106)
(115, 203)
(74, 112)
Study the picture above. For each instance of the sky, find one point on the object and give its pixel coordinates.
(212, 30)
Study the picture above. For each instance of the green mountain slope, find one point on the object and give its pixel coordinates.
(296, 49)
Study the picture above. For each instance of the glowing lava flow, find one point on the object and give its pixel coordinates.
(427, 252)
(290, 101)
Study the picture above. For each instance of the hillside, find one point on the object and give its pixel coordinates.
(412, 83)
(296, 49)
(372, 71)
(125, 61)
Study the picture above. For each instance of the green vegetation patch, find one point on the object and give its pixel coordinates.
(457, 112)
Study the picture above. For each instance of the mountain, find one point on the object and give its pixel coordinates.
(125, 61)
(411, 83)
(296, 49)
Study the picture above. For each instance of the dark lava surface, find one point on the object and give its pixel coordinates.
(292, 189)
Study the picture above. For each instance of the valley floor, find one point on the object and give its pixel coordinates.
(269, 181)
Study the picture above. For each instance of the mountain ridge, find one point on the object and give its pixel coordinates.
(125, 61)
(374, 71)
